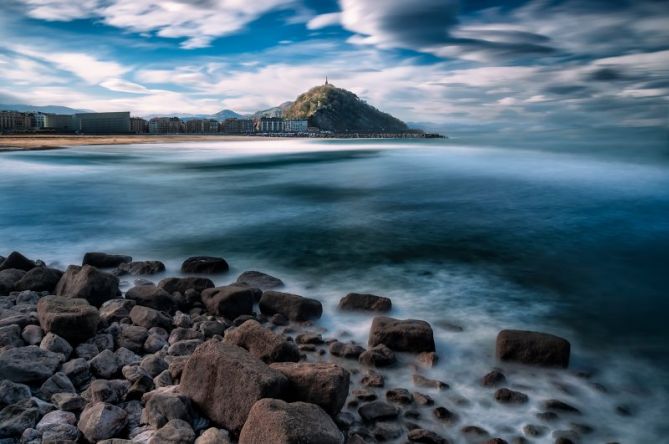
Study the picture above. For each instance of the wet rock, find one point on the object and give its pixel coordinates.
(427, 359)
(182, 320)
(547, 416)
(365, 302)
(140, 268)
(54, 343)
(104, 260)
(378, 356)
(445, 415)
(148, 317)
(535, 431)
(364, 394)
(88, 283)
(39, 279)
(206, 380)
(426, 437)
(70, 402)
(58, 383)
(272, 421)
(101, 420)
(183, 334)
(17, 261)
(174, 432)
(133, 337)
(279, 319)
(309, 338)
(151, 296)
(560, 406)
(422, 398)
(78, 371)
(260, 280)
(386, 431)
(292, 306)
(262, 343)
(163, 407)
(10, 337)
(230, 301)
(212, 328)
(16, 418)
(507, 396)
(399, 395)
(346, 350)
(474, 432)
(110, 391)
(11, 392)
(495, 441)
(377, 411)
(8, 279)
(422, 381)
(71, 318)
(204, 265)
(154, 365)
(373, 379)
(182, 285)
(104, 365)
(116, 309)
(323, 384)
(402, 335)
(28, 364)
(32, 334)
(527, 347)
(493, 378)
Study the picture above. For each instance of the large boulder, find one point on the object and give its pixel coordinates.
(204, 265)
(39, 279)
(323, 384)
(73, 319)
(88, 283)
(262, 343)
(224, 381)
(292, 306)
(230, 301)
(408, 335)
(140, 268)
(16, 418)
(8, 280)
(181, 285)
(116, 309)
(272, 421)
(151, 296)
(528, 347)
(28, 364)
(104, 260)
(101, 421)
(365, 302)
(259, 279)
(148, 317)
(17, 261)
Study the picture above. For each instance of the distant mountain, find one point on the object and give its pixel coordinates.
(277, 111)
(226, 114)
(51, 109)
(335, 109)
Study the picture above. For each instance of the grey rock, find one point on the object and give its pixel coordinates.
(151, 296)
(161, 408)
(204, 265)
(230, 301)
(114, 310)
(78, 371)
(148, 317)
(101, 421)
(73, 319)
(105, 260)
(365, 302)
(11, 392)
(70, 402)
(58, 383)
(174, 432)
(260, 280)
(54, 343)
(32, 334)
(39, 279)
(533, 348)
(10, 337)
(28, 364)
(88, 283)
(140, 268)
(104, 365)
(292, 306)
(16, 418)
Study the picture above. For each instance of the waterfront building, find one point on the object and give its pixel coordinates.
(38, 120)
(270, 125)
(295, 126)
(14, 121)
(138, 125)
(59, 123)
(166, 125)
(103, 123)
(202, 126)
(237, 126)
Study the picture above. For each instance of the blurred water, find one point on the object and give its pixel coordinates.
(483, 237)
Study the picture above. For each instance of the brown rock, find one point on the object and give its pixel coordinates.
(507, 396)
(148, 317)
(151, 296)
(292, 306)
(527, 347)
(366, 302)
(493, 378)
(104, 260)
(260, 280)
(402, 335)
(230, 301)
(205, 265)
(422, 381)
(73, 319)
(426, 437)
(181, 285)
(379, 356)
(88, 283)
(262, 343)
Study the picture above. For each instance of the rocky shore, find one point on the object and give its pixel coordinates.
(185, 361)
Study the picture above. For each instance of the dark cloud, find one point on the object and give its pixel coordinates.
(566, 89)
(607, 75)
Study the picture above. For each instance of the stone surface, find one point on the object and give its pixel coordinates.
(73, 319)
(182, 285)
(88, 283)
(28, 364)
(378, 410)
(272, 421)
(323, 384)
(206, 380)
(101, 420)
(292, 306)
(426, 437)
(57, 383)
(116, 309)
(507, 396)
(346, 350)
(151, 296)
(262, 343)
(378, 356)
(10, 336)
(17, 261)
(493, 378)
(39, 279)
(8, 279)
(149, 317)
(260, 280)
(174, 432)
(365, 302)
(12, 392)
(16, 418)
(104, 260)
(230, 301)
(163, 407)
(32, 334)
(402, 335)
(140, 268)
(527, 347)
(204, 265)
(104, 365)
(213, 436)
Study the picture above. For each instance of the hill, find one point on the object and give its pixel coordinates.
(51, 109)
(277, 111)
(335, 109)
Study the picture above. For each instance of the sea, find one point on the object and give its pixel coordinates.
(473, 239)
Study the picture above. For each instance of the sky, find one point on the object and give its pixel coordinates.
(548, 68)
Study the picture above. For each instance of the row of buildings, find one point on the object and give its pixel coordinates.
(123, 123)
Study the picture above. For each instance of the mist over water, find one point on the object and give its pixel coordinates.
(481, 237)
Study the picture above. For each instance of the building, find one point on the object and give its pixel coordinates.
(14, 121)
(270, 125)
(38, 120)
(166, 125)
(295, 126)
(103, 123)
(59, 123)
(138, 125)
(237, 126)
(202, 126)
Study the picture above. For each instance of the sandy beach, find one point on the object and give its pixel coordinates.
(47, 142)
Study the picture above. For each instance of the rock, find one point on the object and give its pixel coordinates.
(10, 337)
(445, 415)
(560, 406)
(78, 371)
(141, 268)
(175, 432)
(8, 280)
(39, 279)
(101, 421)
(206, 380)
(292, 306)
(56, 417)
(399, 395)
(11, 317)
(260, 280)
(213, 436)
(151, 296)
(212, 328)
(104, 365)
(309, 338)
(184, 348)
(373, 379)
(154, 343)
(184, 334)
(346, 350)
(164, 379)
(493, 378)
(365, 302)
(28, 364)
(323, 384)
(70, 402)
(11, 392)
(86, 350)
(230, 301)
(32, 334)
(133, 337)
(422, 381)
(116, 309)
(387, 431)
(427, 359)
(59, 433)
(182, 320)
(182, 285)
(377, 411)
(16, 418)
(27, 297)
(426, 437)
(104, 260)
(88, 283)
(506, 396)
(154, 365)
(423, 399)
(126, 357)
(535, 430)
(527, 347)
(262, 343)
(57, 383)
(164, 407)
(148, 317)
(54, 343)
(272, 421)
(204, 265)
(379, 356)
(17, 261)
(111, 391)
(402, 335)
(73, 319)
